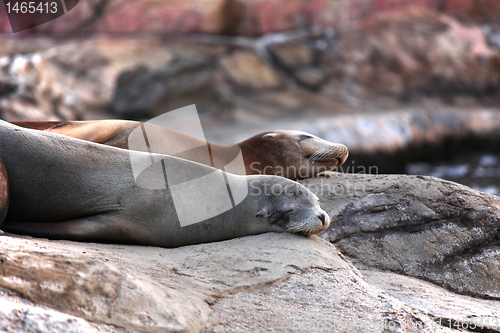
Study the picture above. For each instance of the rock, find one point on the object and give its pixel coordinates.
(493, 35)
(292, 55)
(56, 83)
(418, 226)
(19, 315)
(298, 59)
(188, 79)
(447, 308)
(471, 11)
(251, 283)
(100, 293)
(405, 56)
(320, 301)
(53, 84)
(310, 77)
(34, 89)
(247, 70)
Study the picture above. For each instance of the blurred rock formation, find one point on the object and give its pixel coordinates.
(404, 59)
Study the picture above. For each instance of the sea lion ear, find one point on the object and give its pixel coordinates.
(263, 213)
(269, 135)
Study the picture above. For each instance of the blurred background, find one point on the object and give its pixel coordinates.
(410, 86)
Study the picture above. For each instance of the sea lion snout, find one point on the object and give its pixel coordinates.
(324, 218)
(334, 155)
(310, 220)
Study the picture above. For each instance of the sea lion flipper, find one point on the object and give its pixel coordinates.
(99, 227)
(78, 229)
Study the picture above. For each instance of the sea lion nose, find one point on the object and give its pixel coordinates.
(343, 153)
(322, 218)
(325, 219)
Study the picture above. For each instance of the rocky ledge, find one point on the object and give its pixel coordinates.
(420, 226)
(426, 253)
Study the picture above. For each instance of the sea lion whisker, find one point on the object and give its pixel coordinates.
(316, 156)
(303, 228)
(297, 228)
(327, 153)
(313, 156)
(322, 156)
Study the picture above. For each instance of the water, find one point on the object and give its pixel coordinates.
(479, 171)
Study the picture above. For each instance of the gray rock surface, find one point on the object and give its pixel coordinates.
(449, 309)
(20, 316)
(277, 282)
(317, 300)
(419, 226)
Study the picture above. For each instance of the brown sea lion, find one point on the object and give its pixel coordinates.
(291, 154)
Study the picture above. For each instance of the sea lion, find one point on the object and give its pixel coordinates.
(65, 188)
(4, 192)
(290, 154)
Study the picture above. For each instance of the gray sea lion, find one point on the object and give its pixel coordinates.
(290, 154)
(65, 188)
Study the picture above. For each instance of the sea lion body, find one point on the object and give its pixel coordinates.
(290, 154)
(65, 188)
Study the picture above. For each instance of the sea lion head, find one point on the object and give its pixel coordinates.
(291, 207)
(291, 154)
